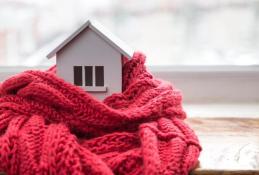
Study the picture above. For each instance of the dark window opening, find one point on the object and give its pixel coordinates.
(78, 76)
(88, 75)
(99, 75)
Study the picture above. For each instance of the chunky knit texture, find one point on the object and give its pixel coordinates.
(48, 126)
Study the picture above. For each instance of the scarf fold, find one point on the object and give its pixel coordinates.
(49, 126)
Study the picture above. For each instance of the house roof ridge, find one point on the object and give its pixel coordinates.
(104, 33)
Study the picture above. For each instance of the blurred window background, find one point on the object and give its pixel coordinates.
(169, 32)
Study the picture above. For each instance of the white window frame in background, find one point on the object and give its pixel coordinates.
(199, 84)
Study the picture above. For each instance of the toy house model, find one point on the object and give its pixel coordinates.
(92, 59)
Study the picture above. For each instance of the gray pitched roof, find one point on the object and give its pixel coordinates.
(115, 42)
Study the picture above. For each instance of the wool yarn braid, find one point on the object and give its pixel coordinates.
(49, 126)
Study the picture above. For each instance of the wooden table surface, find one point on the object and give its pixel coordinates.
(230, 146)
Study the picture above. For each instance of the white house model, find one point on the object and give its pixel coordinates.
(92, 59)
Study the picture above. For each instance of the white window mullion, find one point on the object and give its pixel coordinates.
(83, 77)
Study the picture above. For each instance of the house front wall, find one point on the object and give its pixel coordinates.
(89, 49)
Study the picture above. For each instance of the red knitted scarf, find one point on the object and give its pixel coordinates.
(48, 126)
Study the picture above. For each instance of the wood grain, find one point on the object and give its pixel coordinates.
(225, 172)
(230, 146)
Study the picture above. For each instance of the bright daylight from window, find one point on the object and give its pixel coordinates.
(193, 109)
(169, 32)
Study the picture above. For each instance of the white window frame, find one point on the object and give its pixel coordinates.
(92, 88)
(213, 84)
(199, 84)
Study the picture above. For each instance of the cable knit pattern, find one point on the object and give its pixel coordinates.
(49, 126)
